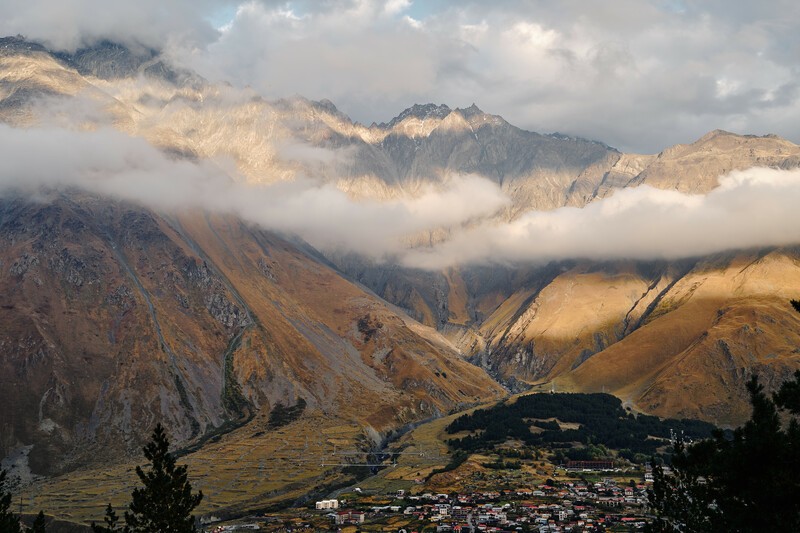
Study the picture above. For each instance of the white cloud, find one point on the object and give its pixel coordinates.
(393, 7)
(752, 208)
(111, 163)
(70, 24)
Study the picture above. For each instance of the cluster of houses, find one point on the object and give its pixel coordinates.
(546, 509)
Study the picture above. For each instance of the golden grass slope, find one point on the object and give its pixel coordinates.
(576, 315)
(713, 329)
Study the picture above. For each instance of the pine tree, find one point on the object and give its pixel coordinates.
(39, 524)
(747, 483)
(166, 502)
(111, 519)
(9, 522)
(750, 482)
(788, 397)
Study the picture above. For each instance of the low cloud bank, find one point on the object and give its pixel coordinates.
(756, 207)
(109, 162)
(750, 208)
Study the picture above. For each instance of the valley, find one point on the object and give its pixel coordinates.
(290, 288)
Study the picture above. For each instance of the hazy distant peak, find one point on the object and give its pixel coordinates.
(420, 111)
(329, 107)
(579, 140)
(718, 134)
(108, 59)
(470, 111)
(714, 133)
(17, 44)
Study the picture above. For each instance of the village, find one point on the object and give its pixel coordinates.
(587, 499)
(544, 463)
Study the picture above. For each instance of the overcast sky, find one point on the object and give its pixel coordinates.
(637, 75)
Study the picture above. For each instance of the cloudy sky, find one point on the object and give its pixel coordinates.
(638, 75)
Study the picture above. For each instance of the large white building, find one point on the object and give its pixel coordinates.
(328, 504)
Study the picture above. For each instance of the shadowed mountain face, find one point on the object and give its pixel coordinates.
(116, 316)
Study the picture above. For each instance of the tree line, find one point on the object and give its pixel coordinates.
(601, 420)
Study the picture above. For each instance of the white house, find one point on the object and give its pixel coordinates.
(327, 504)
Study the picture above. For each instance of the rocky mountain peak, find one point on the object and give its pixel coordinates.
(722, 134)
(420, 111)
(455, 121)
(470, 111)
(326, 105)
(329, 107)
(108, 60)
(713, 134)
(17, 44)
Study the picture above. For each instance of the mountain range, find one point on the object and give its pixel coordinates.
(118, 314)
